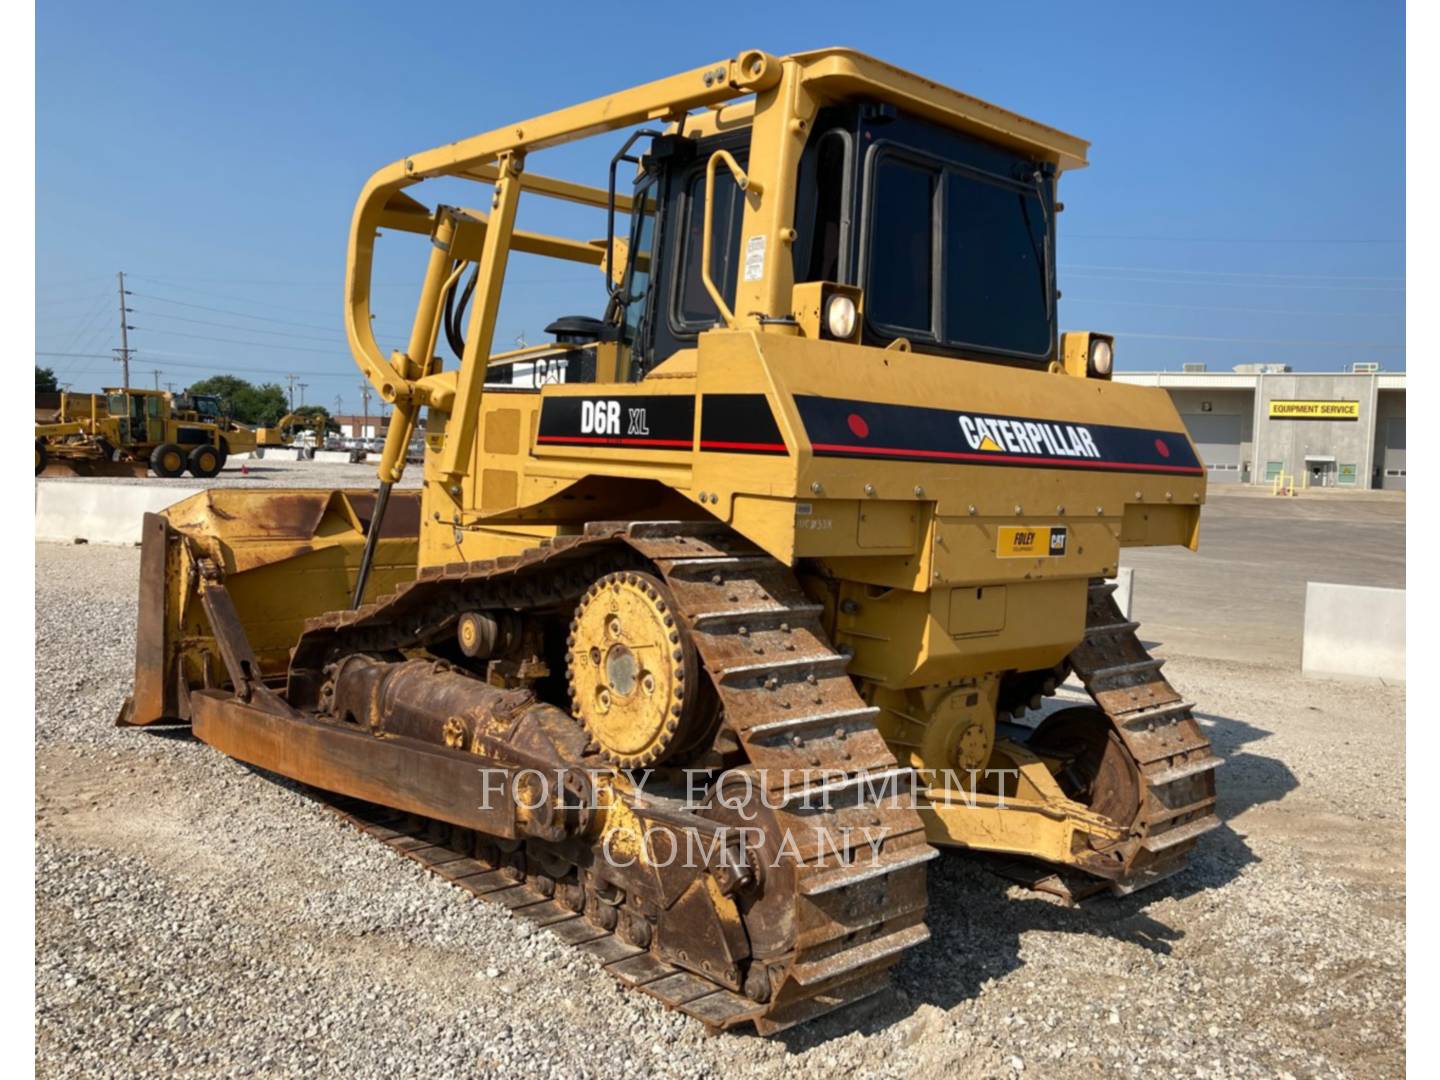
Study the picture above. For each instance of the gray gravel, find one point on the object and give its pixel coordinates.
(195, 917)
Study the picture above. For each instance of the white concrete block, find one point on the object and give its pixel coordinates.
(1354, 631)
(100, 512)
(1125, 589)
(334, 457)
(278, 453)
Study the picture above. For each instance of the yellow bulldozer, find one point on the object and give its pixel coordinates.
(699, 655)
(125, 432)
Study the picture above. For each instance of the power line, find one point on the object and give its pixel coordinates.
(1193, 284)
(243, 329)
(1263, 341)
(205, 363)
(1227, 240)
(1224, 273)
(233, 341)
(1221, 307)
(237, 314)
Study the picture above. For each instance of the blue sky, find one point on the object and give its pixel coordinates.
(1245, 198)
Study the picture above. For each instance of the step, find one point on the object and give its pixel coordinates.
(1127, 626)
(799, 723)
(859, 956)
(793, 612)
(819, 661)
(718, 562)
(1135, 667)
(845, 876)
(1155, 712)
(1147, 876)
(1180, 811)
(1173, 837)
(1180, 772)
(822, 792)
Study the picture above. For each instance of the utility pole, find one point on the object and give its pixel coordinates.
(365, 394)
(170, 386)
(124, 349)
(156, 373)
(291, 393)
(303, 385)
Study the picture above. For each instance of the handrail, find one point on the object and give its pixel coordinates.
(745, 184)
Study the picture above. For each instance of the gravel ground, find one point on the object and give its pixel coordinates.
(195, 917)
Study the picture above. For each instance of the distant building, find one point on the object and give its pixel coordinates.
(1344, 429)
(362, 427)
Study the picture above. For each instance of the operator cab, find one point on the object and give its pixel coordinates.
(950, 239)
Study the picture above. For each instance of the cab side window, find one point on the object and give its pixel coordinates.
(902, 245)
(694, 310)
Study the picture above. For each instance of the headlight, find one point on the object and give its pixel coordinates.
(840, 317)
(1101, 357)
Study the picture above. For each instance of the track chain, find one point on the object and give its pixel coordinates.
(857, 888)
(1170, 753)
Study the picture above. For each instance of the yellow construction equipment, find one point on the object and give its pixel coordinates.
(696, 655)
(281, 433)
(127, 431)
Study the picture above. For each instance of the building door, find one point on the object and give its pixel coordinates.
(1322, 473)
(1217, 440)
(1394, 473)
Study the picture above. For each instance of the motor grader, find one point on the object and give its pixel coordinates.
(125, 432)
(700, 654)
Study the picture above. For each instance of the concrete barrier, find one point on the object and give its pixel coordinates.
(278, 453)
(102, 512)
(334, 457)
(1355, 631)
(1125, 589)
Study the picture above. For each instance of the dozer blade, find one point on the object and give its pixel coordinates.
(58, 467)
(284, 556)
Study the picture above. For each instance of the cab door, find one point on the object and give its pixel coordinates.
(154, 420)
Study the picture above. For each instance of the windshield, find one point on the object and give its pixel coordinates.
(956, 255)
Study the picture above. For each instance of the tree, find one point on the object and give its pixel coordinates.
(316, 417)
(260, 405)
(45, 382)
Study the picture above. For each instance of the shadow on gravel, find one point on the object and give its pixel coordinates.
(173, 732)
(1247, 778)
(976, 920)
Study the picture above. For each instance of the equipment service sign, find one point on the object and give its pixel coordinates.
(1314, 410)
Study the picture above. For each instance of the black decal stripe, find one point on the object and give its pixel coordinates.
(645, 421)
(861, 429)
(739, 424)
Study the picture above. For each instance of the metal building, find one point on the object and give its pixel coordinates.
(1338, 429)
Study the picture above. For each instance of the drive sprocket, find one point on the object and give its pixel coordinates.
(633, 673)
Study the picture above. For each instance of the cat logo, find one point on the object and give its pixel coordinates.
(1031, 541)
(1028, 438)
